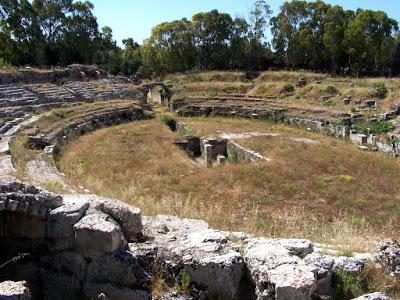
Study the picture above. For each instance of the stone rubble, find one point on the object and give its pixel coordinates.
(10, 290)
(104, 248)
(373, 296)
(388, 255)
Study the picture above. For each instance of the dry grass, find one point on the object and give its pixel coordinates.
(288, 76)
(267, 89)
(58, 118)
(219, 76)
(271, 83)
(327, 192)
(210, 88)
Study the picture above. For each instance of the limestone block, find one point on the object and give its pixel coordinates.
(71, 263)
(62, 219)
(121, 269)
(169, 224)
(373, 296)
(277, 273)
(208, 154)
(349, 265)
(221, 160)
(127, 216)
(297, 247)
(98, 233)
(323, 268)
(220, 275)
(388, 255)
(11, 290)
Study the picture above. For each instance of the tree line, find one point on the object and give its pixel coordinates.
(57, 33)
(304, 35)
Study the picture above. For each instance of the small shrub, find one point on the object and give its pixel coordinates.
(330, 102)
(184, 283)
(59, 113)
(380, 90)
(233, 157)
(382, 127)
(346, 286)
(288, 88)
(378, 127)
(170, 122)
(330, 89)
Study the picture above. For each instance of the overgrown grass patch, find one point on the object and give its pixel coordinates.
(325, 192)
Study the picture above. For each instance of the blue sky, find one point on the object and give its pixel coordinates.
(135, 18)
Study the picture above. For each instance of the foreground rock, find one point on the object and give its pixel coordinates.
(277, 270)
(212, 262)
(86, 246)
(388, 255)
(72, 246)
(11, 290)
(374, 296)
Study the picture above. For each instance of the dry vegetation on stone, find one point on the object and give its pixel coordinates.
(272, 83)
(327, 192)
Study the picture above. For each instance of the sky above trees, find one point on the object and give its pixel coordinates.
(136, 18)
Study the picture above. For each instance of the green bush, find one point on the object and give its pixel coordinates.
(382, 127)
(184, 283)
(330, 102)
(330, 89)
(380, 90)
(376, 128)
(288, 88)
(233, 157)
(347, 286)
(59, 113)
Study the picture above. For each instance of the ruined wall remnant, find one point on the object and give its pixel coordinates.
(87, 246)
(71, 73)
(191, 145)
(243, 154)
(157, 92)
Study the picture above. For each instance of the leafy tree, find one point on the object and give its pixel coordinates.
(364, 37)
(170, 47)
(131, 57)
(108, 54)
(212, 33)
(260, 16)
(81, 34)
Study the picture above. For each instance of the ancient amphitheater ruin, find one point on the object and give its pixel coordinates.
(81, 246)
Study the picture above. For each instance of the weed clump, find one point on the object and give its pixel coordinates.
(288, 88)
(380, 90)
(59, 113)
(170, 122)
(184, 283)
(330, 89)
(233, 157)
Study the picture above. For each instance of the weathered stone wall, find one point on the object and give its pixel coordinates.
(73, 246)
(72, 72)
(242, 153)
(97, 248)
(90, 123)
